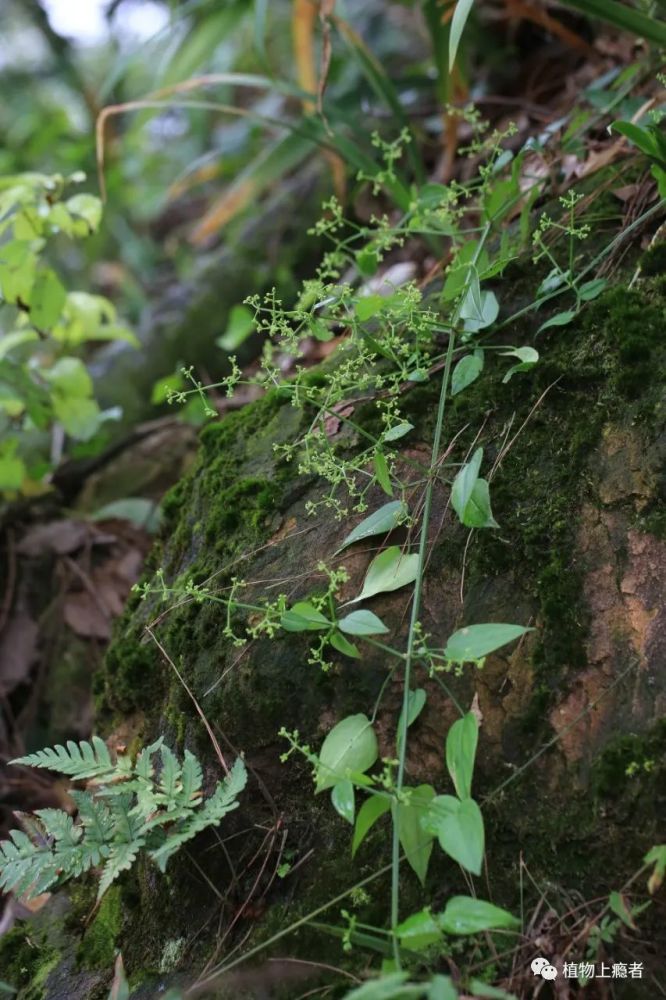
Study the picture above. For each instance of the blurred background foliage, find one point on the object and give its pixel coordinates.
(165, 168)
(208, 106)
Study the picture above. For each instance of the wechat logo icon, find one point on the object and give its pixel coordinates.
(542, 967)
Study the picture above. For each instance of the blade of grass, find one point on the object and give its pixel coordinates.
(383, 88)
(273, 163)
(310, 127)
(458, 22)
(199, 44)
(623, 17)
(261, 28)
(303, 21)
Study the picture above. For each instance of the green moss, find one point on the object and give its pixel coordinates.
(98, 947)
(653, 521)
(632, 323)
(653, 261)
(630, 762)
(26, 961)
(133, 678)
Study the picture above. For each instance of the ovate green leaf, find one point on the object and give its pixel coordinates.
(418, 931)
(461, 742)
(466, 371)
(369, 306)
(388, 571)
(382, 474)
(304, 617)
(46, 300)
(656, 856)
(344, 646)
(560, 319)
(70, 377)
(391, 987)
(466, 915)
(350, 746)
(342, 797)
(416, 841)
(398, 431)
(362, 623)
(478, 987)
(87, 207)
(372, 809)
(80, 417)
(620, 907)
(458, 825)
(476, 641)
(463, 484)
(442, 988)
(381, 522)
(477, 513)
(239, 327)
(592, 289)
(12, 468)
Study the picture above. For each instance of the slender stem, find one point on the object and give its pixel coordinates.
(416, 608)
(409, 656)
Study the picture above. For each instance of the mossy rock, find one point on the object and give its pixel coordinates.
(578, 445)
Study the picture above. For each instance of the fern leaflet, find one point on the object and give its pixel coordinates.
(155, 803)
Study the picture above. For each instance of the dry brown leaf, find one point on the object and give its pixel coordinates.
(18, 651)
(54, 537)
(84, 616)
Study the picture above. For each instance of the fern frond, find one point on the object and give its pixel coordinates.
(222, 801)
(121, 857)
(169, 782)
(127, 807)
(127, 825)
(96, 818)
(59, 825)
(77, 760)
(192, 780)
(144, 767)
(25, 867)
